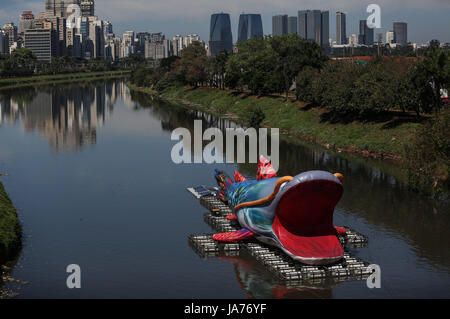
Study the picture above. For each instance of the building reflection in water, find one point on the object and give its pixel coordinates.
(68, 116)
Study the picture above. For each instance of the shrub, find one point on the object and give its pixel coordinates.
(255, 117)
(428, 156)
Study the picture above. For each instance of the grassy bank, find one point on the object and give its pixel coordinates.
(10, 83)
(385, 138)
(10, 229)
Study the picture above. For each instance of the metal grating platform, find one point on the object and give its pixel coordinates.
(273, 259)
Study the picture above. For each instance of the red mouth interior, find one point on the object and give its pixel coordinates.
(304, 219)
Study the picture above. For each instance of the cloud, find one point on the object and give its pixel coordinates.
(119, 10)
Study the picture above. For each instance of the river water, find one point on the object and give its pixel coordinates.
(91, 174)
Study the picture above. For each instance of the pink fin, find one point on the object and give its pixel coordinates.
(233, 237)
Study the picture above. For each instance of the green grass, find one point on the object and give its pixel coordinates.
(371, 139)
(10, 229)
(9, 83)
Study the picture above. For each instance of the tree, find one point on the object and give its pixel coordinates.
(218, 68)
(431, 76)
(253, 66)
(292, 54)
(191, 68)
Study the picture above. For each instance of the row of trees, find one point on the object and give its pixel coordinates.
(348, 88)
(22, 62)
(261, 66)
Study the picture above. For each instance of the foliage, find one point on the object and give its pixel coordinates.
(428, 157)
(20, 62)
(191, 68)
(432, 75)
(253, 67)
(10, 229)
(292, 54)
(255, 117)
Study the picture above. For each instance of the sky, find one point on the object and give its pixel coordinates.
(427, 19)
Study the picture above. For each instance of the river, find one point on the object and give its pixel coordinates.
(91, 174)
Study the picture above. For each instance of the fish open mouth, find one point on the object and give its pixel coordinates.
(304, 222)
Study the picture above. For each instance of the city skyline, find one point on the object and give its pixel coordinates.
(140, 15)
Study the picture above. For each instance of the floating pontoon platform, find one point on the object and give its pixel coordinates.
(274, 260)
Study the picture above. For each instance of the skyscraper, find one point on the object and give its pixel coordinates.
(365, 33)
(40, 42)
(26, 21)
(341, 36)
(292, 25)
(87, 8)
(11, 30)
(250, 27)
(4, 42)
(400, 33)
(279, 24)
(314, 25)
(324, 29)
(389, 37)
(301, 24)
(59, 7)
(220, 36)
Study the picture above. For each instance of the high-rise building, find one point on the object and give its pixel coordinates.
(365, 33)
(59, 25)
(4, 42)
(11, 30)
(292, 25)
(341, 35)
(301, 23)
(279, 24)
(26, 21)
(389, 37)
(400, 33)
(141, 37)
(250, 27)
(324, 29)
(157, 37)
(97, 36)
(87, 8)
(58, 8)
(158, 50)
(353, 39)
(220, 36)
(40, 42)
(314, 25)
(189, 39)
(108, 28)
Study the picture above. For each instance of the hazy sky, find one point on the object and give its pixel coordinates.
(427, 19)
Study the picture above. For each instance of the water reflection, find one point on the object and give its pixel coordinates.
(68, 116)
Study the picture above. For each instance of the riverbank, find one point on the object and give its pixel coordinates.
(10, 229)
(12, 83)
(378, 139)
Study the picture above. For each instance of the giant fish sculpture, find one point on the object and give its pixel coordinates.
(294, 214)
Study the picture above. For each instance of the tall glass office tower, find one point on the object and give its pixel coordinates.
(365, 33)
(220, 36)
(279, 24)
(250, 27)
(292, 25)
(341, 35)
(400, 33)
